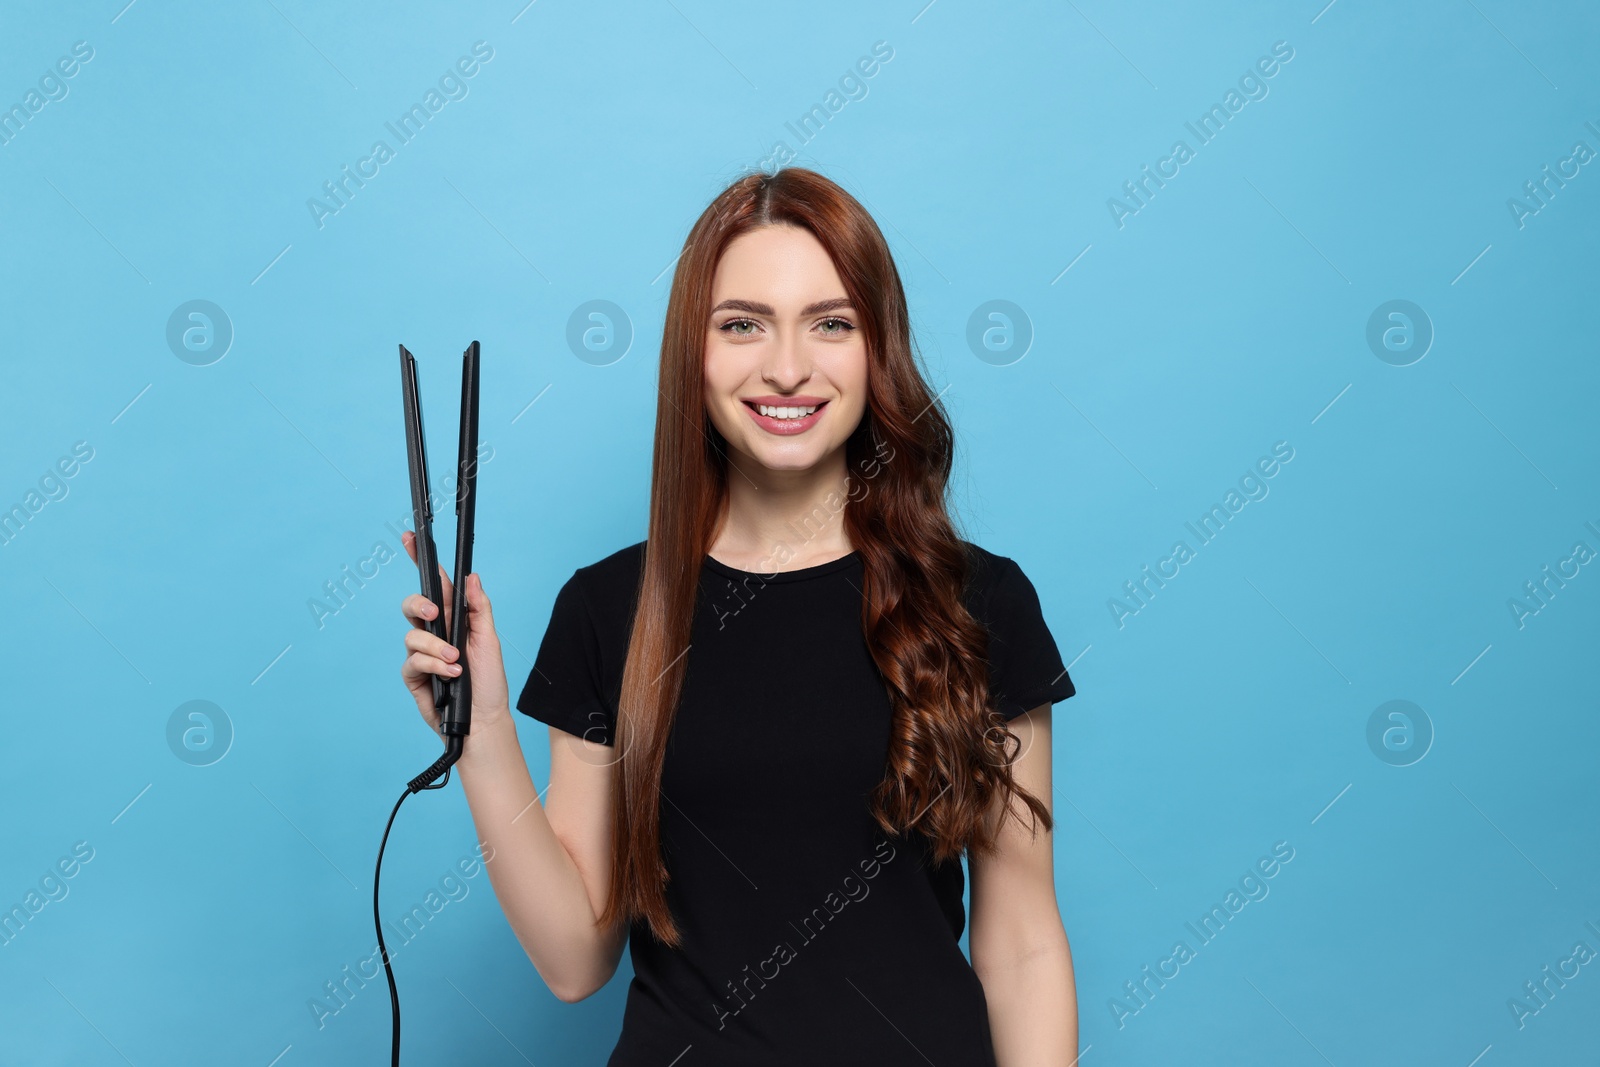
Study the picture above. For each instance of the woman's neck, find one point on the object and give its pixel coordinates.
(781, 520)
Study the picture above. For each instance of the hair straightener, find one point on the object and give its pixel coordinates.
(452, 697)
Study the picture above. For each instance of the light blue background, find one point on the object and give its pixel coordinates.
(1228, 314)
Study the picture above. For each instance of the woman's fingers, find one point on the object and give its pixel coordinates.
(429, 645)
(478, 607)
(418, 609)
(449, 596)
(413, 606)
(483, 648)
(419, 664)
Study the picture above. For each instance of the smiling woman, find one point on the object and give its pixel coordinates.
(758, 354)
(715, 763)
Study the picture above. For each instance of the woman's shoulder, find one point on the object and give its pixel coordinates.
(612, 578)
(995, 583)
(627, 559)
(985, 568)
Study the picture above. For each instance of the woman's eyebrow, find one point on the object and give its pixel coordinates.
(755, 307)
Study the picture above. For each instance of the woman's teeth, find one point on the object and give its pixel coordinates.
(785, 413)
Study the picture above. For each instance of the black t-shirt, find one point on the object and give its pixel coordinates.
(809, 936)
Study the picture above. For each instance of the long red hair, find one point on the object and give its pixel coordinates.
(949, 755)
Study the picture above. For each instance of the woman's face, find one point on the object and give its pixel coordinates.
(783, 336)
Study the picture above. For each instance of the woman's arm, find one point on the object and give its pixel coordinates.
(1018, 944)
(551, 861)
(549, 865)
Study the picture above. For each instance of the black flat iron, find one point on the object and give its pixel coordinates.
(452, 697)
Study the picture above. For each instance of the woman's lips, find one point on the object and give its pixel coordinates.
(786, 427)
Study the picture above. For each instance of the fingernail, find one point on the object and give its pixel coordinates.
(455, 668)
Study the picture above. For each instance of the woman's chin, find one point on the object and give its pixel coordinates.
(785, 456)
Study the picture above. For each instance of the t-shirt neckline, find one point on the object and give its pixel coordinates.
(814, 571)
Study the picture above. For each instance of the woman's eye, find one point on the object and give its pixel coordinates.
(728, 327)
(843, 326)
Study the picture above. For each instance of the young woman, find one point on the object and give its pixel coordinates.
(778, 724)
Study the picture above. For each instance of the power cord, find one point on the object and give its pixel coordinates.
(435, 777)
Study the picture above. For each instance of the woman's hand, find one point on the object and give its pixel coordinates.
(430, 655)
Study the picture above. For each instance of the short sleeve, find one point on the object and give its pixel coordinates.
(564, 688)
(1025, 668)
